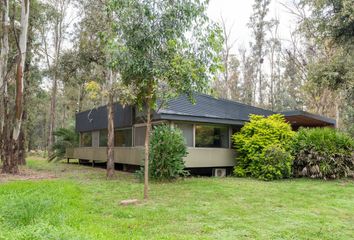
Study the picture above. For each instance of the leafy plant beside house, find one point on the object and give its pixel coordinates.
(168, 148)
(323, 153)
(65, 138)
(263, 148)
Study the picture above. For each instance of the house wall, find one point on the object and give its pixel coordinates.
(197, 157)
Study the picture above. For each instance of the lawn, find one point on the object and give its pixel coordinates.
(76, 202)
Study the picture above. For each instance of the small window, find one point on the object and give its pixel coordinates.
(210, 136)
(187, 130)
(103, 138)
(86, 139)
(123, 137)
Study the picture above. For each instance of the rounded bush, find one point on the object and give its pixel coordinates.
(167, 150)
(263, 148)
(323, 153)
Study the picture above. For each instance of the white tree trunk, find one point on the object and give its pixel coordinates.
(3, 60)
(20, 68)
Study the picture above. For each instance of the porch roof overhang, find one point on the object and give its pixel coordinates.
(300, 118)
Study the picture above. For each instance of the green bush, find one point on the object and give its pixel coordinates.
(167, 150)
(263, 148)
(65, 138)
(323, 153)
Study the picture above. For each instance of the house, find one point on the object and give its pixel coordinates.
(207, 127)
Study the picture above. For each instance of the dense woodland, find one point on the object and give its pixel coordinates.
(60, 57)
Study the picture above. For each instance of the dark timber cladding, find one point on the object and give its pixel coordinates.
(96, 118)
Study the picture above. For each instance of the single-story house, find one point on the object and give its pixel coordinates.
(207, 127)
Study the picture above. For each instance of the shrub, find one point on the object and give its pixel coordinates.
(65, 138)
(323, 153)
(263, 148)
(167, 150)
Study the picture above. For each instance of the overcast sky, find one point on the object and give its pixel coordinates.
(236, 13)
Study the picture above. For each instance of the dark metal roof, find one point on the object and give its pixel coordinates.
(206, 109)
(209, 109)
(96, 118)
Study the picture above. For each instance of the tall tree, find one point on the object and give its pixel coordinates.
(259, 25)
(247, 73)
(228, 81)
(10, 139)
(332, 28)
(22, 48)
(53, 32)
(3, 72)
(155, 54)
(95, 58)
(274, 46)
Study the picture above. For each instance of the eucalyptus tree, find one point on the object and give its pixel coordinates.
(55, 24)
(330, 25)
(12, 128)
(92, 68)
(3, 72)
(259, 25)
(163, 49)
(227, 84)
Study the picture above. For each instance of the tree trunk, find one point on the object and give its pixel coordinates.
(337, 106)
(53, 103)
(21, 148)
(58, 38)
(24, 129)
(110, 143)
(3, 79)
(20, 69)
(147, 149)
(12, 148)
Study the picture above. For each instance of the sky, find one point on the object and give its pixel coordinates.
(236, 14)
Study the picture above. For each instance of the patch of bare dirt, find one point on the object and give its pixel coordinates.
(26, 174)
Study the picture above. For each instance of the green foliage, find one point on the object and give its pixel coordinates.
(65, 138)
(263, 148)
(323, 153)
(168, 148)
(332, 19)
(163, 48)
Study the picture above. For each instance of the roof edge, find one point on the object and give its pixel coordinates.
(308, 114)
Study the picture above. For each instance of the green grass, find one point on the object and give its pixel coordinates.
(81, 204)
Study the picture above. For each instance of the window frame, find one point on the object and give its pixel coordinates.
(131, 139)
(211, 124)
(81, 137)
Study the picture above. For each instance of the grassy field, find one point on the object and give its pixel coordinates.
(76, 202)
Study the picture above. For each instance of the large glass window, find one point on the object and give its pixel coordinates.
(139, 136)
(103, 138)
(86, 139)
(211, 136)
(187, 130)
(123, 137)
